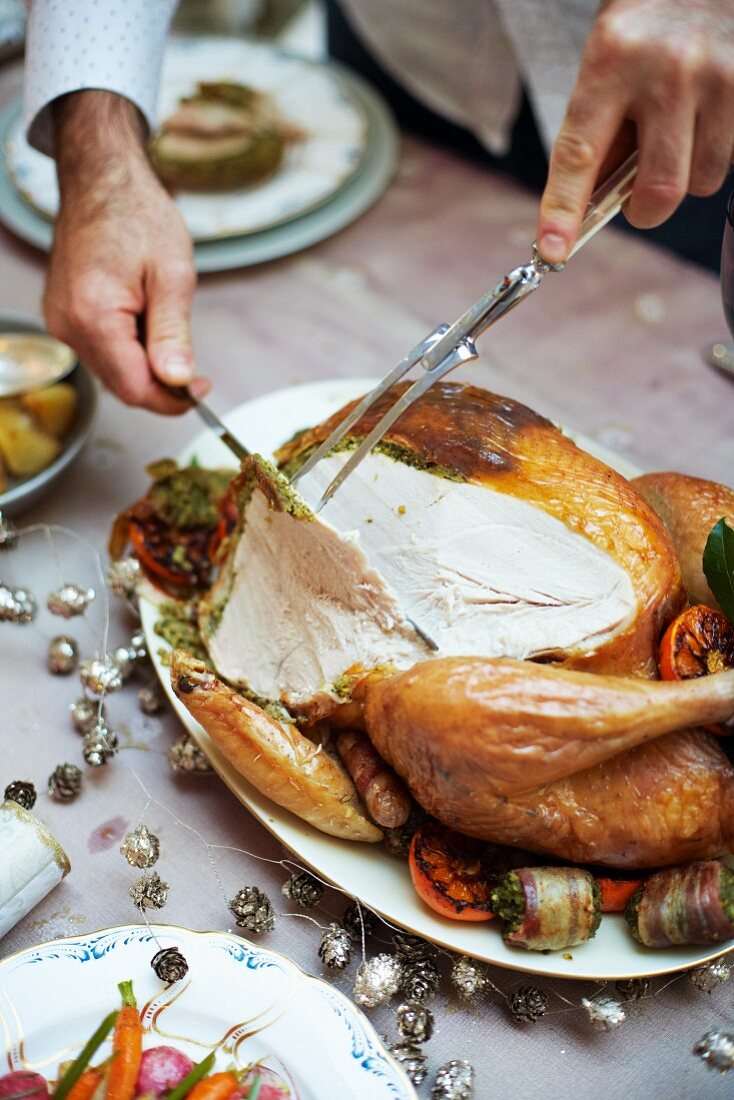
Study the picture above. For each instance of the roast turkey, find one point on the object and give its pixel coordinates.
(475, 518)
(689, 507)
(586, 767)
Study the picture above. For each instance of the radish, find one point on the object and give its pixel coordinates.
(23, 1083)
(161, 1069)
(272, 1085)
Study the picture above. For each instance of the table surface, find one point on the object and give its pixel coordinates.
(612, 347)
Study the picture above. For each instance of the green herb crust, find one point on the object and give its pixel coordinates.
(726, 892)
(632, 911)
(391, 450)
(177, 625)
(596, 902)
(508, 901)
(187, 497)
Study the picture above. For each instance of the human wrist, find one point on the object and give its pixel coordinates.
(98, 133)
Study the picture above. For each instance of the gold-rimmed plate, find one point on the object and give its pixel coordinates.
(244, 1001)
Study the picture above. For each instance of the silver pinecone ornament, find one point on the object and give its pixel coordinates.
(185, 757)
(85, 712)
(149, 700)
(100, 676)
(70, 600)
(123, 576)
(17, 605)
(414, 1021)
(421, 978)
(335, 948)
(8, 533)
(605, 1013)
(63, 654)
(150, 892)
(467, 978)
(359, 921)
(100, 744)
(141, 848)
(633, 989)
(377, 980)
(65, 782)
(454, 1081)
(169, 965)
(304, 889)
(528, 1004)
(412, 1059)
(710, 976)
(252, 910)
(21, 791)
(716, 1049)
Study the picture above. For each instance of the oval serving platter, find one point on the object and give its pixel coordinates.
(246, 1002)
(366, 871)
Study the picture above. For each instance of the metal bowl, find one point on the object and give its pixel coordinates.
(27, 491)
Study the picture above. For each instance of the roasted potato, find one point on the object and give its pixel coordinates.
(25, 448)
(53, 407)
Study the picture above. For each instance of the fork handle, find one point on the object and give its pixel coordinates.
(607, 201)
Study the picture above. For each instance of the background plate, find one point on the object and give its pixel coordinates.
(54, 996)
(356, 196)
(311, 96)
(366, 871)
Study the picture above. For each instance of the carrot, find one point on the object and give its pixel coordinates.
(217, 1087)
(86, 1086)
(616, 892)
(127, 1048)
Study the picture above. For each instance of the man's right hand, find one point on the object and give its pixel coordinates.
(121, 275)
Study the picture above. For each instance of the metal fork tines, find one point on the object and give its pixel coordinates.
(446, 348)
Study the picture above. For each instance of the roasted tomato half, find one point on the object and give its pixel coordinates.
(176, 529)
(698, 643)
(173, 555)
(451, 873)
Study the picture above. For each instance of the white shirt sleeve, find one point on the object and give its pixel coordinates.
(113, 45)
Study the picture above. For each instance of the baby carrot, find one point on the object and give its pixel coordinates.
(86, 1086)
(219, 1086)
(80, 1063)
(184, 1087)
(127, 1048)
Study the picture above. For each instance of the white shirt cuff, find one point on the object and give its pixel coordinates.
(113, 45)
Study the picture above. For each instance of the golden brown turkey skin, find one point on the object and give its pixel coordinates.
(577, 766)
(480, 437)
(689, 507)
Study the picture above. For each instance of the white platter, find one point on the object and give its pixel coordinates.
(364, 870)
(312, 97)
(249, 1003)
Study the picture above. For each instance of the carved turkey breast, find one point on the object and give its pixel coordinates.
(475, 518)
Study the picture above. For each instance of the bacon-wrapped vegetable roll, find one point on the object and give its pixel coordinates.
(547, 908)
(690, 904)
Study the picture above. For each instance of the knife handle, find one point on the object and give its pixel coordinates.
(607, 201)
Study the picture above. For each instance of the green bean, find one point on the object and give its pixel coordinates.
(200, 1070)
(82, 1060)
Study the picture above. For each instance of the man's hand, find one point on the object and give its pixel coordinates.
(668, 66)
(121, 276)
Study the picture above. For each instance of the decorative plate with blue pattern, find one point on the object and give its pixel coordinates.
(248, 1003)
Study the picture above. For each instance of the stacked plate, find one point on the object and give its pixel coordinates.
(341, 166)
